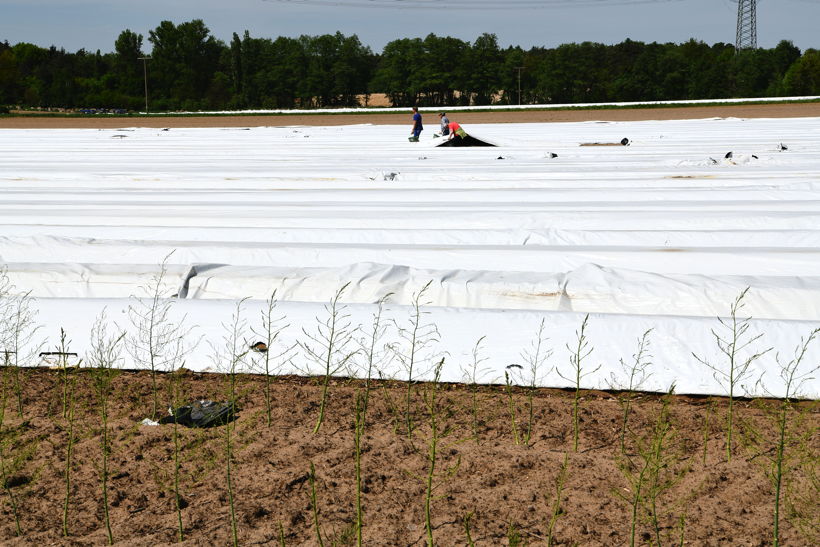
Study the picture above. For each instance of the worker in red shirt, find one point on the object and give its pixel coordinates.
(456, 129)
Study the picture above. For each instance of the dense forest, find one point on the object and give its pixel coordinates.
(189, 69)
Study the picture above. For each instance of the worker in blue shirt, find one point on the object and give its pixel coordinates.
(417, 127)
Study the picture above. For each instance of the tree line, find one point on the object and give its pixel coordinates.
(189, 69)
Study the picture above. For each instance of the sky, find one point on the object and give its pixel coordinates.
(95, 24)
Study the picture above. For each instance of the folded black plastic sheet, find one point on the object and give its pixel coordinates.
(469, 140)
(202, 414)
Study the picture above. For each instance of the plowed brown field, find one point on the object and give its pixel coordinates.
(481, 478)
(786, 110)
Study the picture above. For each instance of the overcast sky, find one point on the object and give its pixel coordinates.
(95, 24)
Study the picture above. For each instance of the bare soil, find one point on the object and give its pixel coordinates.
(506, 490)
(782, 110)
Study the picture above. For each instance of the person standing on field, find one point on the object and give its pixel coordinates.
(417, 127)
(445, 124)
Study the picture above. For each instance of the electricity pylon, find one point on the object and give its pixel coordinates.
(746, 37)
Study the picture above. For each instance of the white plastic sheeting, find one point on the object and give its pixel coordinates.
(67, 280)
(590, 288)
(663, 233)
(507, 333)
(519, 107)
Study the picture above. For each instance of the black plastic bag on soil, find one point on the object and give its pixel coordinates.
(202, 414)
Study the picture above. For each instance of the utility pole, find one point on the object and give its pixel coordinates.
(519, 69)
(145, 75)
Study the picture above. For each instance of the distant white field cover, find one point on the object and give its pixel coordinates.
(516, 107)
(664, 234)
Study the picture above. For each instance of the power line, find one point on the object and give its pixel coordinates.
(468, 4)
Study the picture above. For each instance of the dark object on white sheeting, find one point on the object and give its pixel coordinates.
(260, 347)
(469, 140)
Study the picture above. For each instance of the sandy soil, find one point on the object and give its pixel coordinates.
(506, 489)
(796, 110)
